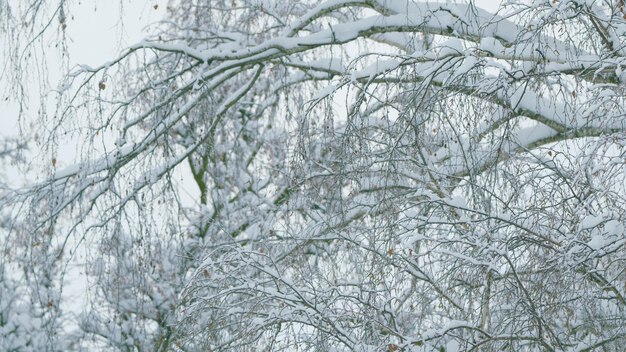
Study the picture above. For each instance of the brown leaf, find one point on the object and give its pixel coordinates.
(101, 85)
(54, 162)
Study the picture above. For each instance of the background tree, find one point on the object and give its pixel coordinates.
(371, 175)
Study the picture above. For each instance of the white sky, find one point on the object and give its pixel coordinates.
(97, 30)
(101, 28)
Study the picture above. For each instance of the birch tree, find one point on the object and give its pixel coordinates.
(371, 175)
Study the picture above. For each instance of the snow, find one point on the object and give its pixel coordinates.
(590, 221)
(614, 228)
(597, 241)
(452, 46)
(324, 92)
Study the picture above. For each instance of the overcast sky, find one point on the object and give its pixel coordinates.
(96, 30)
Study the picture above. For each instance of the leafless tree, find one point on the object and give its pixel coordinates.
(371, 174)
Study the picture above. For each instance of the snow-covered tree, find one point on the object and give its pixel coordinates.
(371, 175)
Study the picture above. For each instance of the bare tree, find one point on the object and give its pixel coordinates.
(371, 175)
